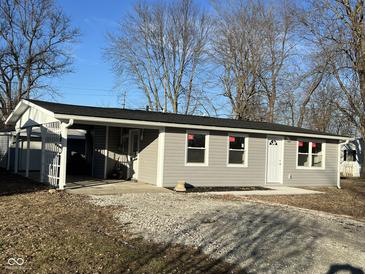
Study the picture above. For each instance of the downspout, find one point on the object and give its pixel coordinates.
(339, 162)
(70, 123)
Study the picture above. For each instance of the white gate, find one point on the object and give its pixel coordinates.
(52, 148)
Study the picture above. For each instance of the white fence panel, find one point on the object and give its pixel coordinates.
(52, 153)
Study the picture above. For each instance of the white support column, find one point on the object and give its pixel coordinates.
(43, 133)
(27, 160)
(16, 160)
(106, 152)
(339, 164)
(160, 157)
(63, 160)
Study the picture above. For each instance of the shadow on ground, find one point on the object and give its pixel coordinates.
(11, 184)
(257, 239)
(341, 268)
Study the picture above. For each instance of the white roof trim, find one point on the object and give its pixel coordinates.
(190, 126)
(21, 107)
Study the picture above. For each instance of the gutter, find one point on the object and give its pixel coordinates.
(112, 121)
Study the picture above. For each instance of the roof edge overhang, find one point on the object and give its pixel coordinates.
(111, 121)
(21, 107)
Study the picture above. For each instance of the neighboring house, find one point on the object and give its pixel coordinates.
(163, 148)
(351, 158)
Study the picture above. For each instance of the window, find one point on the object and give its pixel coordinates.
(196, 148)
(310, 154)
(237, 150)
(349, 155)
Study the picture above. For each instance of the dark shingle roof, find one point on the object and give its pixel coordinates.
(140, 115)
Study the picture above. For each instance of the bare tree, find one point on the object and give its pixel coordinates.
(278, 40)
(310, 81)
(253, 44)
(323, 113)
(34, 35)
(162, 48)
(339, 28)
(238, 51)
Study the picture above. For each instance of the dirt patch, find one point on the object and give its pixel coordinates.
(64, 233)
(350, 200)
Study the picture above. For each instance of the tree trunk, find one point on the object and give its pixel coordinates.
(362, 155)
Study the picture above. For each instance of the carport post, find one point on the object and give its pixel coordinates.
(43, 133)
(29, 131)
(16, 160)
(63, 160)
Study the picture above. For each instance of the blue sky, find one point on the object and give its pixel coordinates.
(92, 81)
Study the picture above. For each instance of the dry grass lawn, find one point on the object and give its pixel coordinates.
(350, 200)
(63, 233)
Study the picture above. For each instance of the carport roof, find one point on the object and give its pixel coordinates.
(173, 119)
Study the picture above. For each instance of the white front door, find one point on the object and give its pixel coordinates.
(274, 174)
(133, 150)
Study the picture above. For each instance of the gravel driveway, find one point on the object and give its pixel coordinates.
(258, 237)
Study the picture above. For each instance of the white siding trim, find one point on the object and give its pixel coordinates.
(106, 152)
(160, 157)
(338, 166)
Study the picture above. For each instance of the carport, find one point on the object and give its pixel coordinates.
(111, 148)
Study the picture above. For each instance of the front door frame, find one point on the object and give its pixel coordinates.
(267, 159)
(133, 163)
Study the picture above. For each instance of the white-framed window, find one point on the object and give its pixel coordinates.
(237, 150)
(310, 154)
(197, 148)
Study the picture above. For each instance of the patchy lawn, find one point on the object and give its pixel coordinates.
(63, 233)
(350, 200)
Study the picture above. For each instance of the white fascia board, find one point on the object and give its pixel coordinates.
(18, 110)
(104, 121)
(21, 107)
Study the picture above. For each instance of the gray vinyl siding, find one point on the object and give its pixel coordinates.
(310, 177)
(98, 155)
(217, 173)
(147, 166)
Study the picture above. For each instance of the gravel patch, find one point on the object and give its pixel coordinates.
(258, 237)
